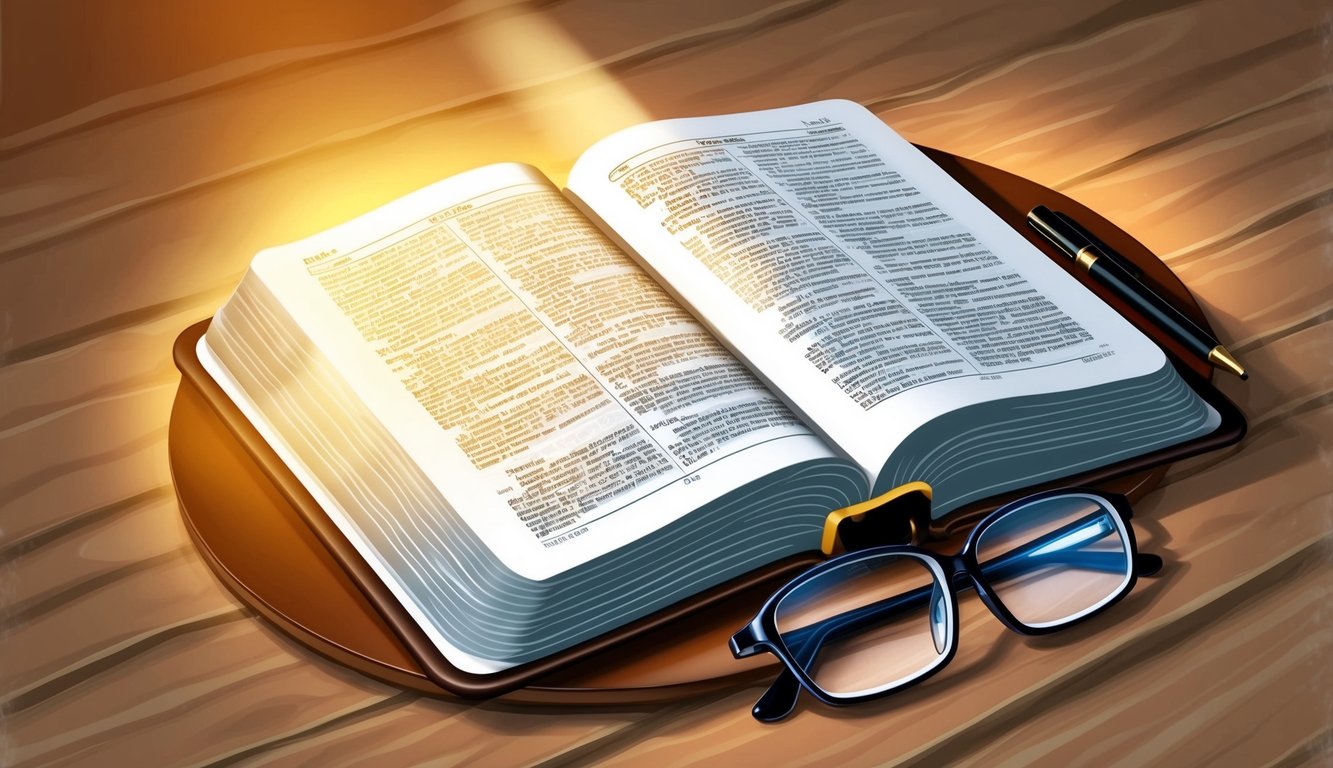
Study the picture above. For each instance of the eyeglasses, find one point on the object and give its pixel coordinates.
(872, 622)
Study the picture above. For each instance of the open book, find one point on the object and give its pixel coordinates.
(540, 414)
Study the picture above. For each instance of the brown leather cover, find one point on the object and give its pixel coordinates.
(275, 549)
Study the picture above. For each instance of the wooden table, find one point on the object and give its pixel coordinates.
(148, 149)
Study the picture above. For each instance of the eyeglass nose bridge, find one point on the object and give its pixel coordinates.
(957, 574)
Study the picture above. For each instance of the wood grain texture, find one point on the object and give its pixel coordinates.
(137, 180)
(999, 679)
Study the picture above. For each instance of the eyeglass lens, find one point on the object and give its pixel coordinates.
(869, 624)
(1054, 560)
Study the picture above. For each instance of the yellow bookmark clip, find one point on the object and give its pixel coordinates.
(895, 501)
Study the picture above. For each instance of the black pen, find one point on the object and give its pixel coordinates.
(1108, 269)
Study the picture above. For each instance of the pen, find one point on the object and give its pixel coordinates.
(1108, 269)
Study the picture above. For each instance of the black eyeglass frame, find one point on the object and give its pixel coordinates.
(761, 633)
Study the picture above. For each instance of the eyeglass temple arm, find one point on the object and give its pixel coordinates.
(1057, 547)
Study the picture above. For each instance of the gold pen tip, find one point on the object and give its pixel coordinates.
(1223, 359)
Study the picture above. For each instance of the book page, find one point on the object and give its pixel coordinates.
(562, 402)
(861, 281)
